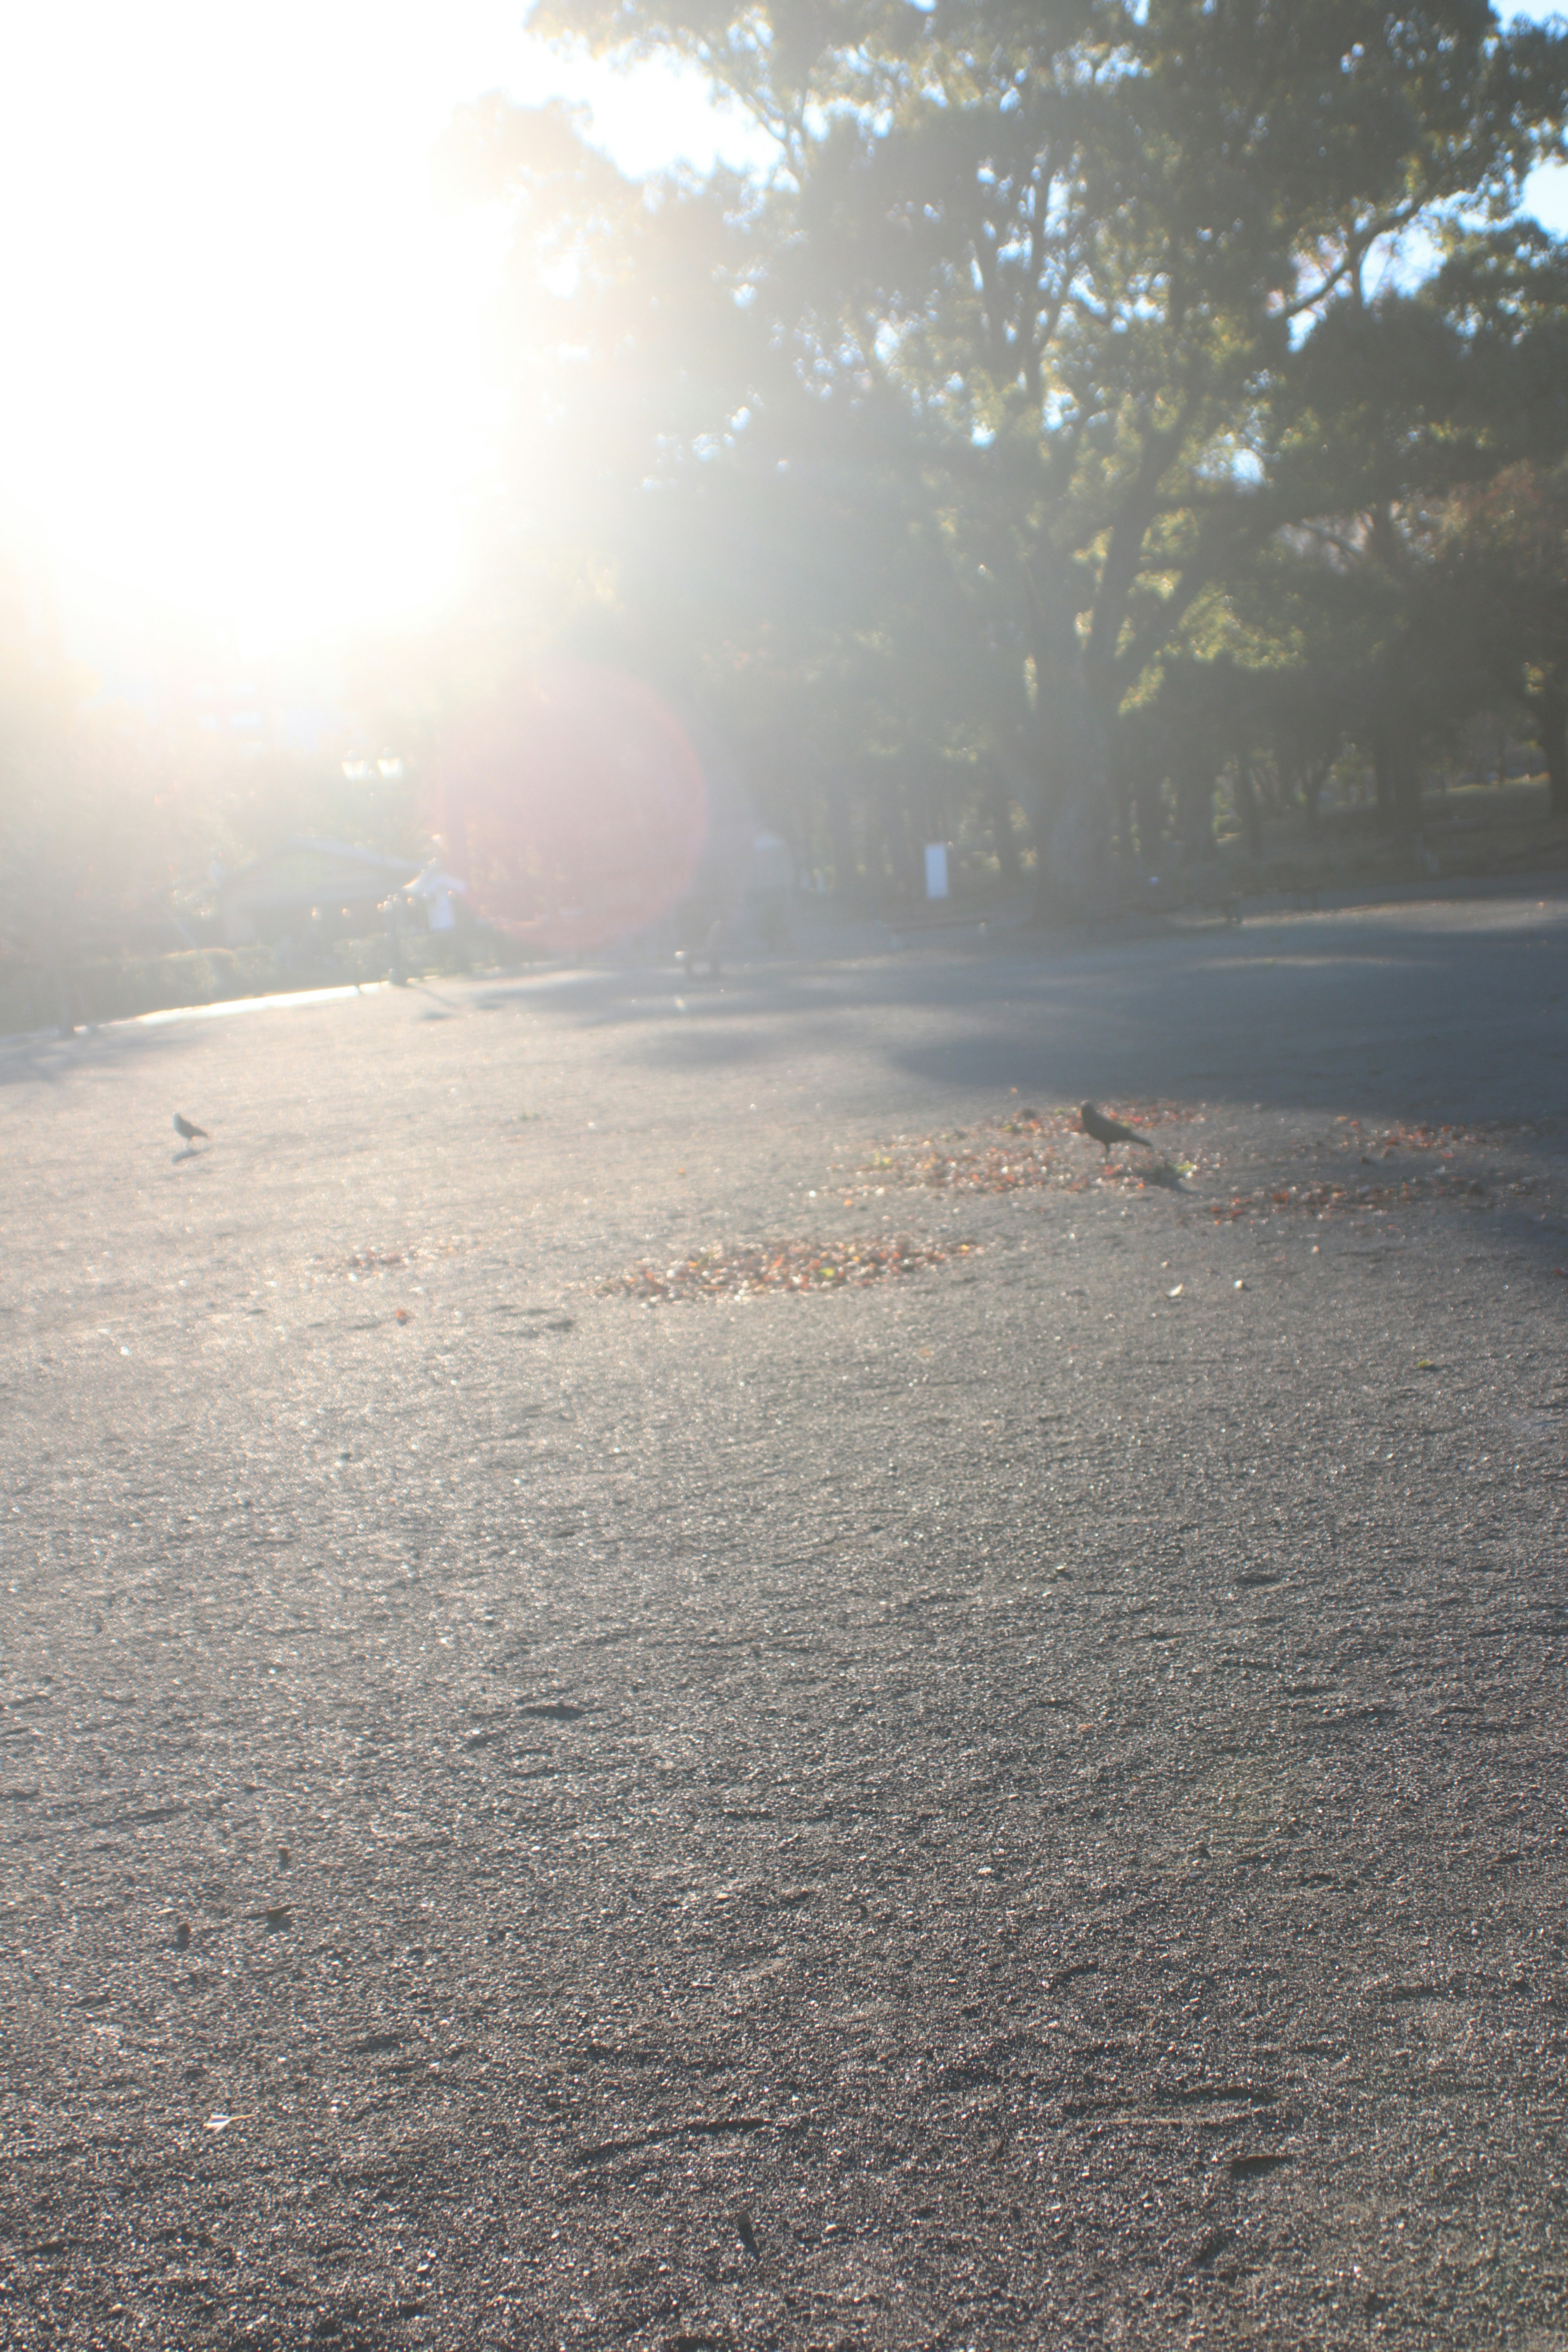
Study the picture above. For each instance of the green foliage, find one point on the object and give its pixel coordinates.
(1054, 348)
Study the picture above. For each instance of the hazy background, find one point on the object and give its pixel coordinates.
(368, 363)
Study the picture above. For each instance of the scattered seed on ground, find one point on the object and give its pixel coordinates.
(1025, 1150)
(747, 1270)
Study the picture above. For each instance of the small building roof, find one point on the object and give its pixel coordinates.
(309, 872)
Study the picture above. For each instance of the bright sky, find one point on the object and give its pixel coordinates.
(243, 370)
(243, 347)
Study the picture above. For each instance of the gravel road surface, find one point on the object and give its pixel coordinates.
(1017, 1801)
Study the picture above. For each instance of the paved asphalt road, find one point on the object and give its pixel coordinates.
(1021, 1803)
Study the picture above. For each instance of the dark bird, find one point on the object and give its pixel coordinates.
(188, 1133)
(1108, 1130)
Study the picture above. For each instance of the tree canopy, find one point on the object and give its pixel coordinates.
(1048, 326)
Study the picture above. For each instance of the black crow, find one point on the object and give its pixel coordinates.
(188, 1133)
(1108, 1130)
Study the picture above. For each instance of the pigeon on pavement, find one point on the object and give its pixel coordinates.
(1108, 1130)
(184, 1128)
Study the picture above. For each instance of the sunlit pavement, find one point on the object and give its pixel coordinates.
(1018, 1803)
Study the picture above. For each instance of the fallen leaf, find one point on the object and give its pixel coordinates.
(742, 1270)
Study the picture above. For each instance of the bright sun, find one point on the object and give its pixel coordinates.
(253, 388)
(246, 377)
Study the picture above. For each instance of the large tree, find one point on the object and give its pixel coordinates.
(1091, 298)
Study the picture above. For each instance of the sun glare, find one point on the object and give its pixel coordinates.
(247, 377)
(252, 388)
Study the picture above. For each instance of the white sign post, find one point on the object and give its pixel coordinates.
(936, 869)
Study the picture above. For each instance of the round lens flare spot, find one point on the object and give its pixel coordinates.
(577, 805)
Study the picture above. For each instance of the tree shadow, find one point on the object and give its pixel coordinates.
(1386, 1012)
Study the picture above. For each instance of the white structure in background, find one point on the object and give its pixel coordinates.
(936, 869)
(434, 886)
(772, 866)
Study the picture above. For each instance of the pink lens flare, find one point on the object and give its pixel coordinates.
(575, 806)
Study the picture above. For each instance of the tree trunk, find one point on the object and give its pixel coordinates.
(1118, 803)
(1073, 827)
(1314, 776)
(1195, 799)
(841, 836)
(1151, 817)
(1549, 712)
(1398, 775)
(1247, 807)
(900, 855)
(1021, 783)
(999, 806)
